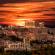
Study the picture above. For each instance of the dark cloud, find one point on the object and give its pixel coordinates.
(49, 14)
(15, 1)
(2, 19)
(4, 11)
(53, 8)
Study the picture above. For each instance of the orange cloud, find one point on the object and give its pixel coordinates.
(12, 12)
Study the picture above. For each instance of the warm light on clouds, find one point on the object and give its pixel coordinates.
(18, 13)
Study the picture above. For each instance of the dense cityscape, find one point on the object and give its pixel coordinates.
(32, 37)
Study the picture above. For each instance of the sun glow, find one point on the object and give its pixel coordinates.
(20, 23)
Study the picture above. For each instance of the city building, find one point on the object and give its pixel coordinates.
(33, 31)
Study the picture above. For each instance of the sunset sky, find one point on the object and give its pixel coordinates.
(22, 10)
